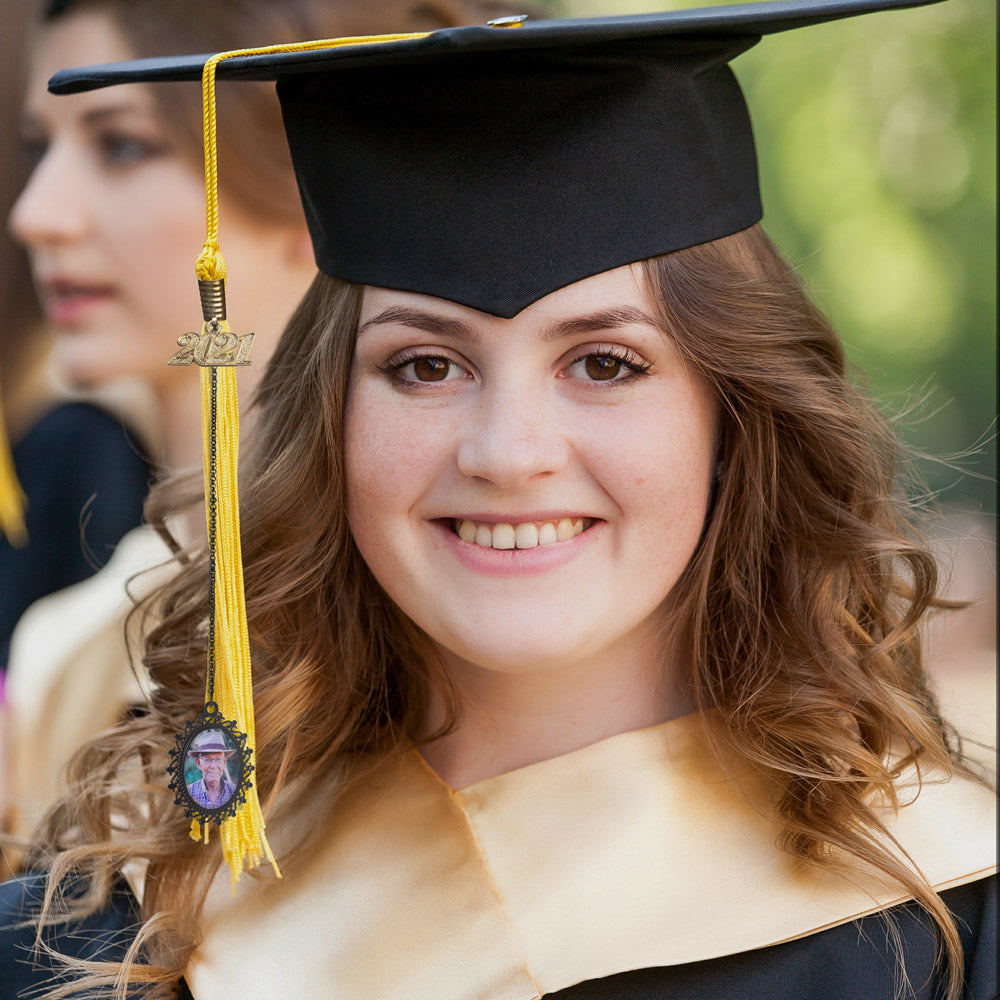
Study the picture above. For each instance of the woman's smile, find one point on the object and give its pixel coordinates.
(513, 533)
(528, 491)
(513, 547)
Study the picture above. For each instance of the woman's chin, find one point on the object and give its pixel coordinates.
(85, 365)
(504, 655)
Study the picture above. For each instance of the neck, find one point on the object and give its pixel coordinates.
(179, 399)
(510, 720)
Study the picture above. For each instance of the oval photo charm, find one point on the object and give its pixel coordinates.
(210, 767)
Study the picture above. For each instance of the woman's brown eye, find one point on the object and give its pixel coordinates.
(431, 369)
(602, 367)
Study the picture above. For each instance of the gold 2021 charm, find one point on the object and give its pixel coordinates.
(216, 346)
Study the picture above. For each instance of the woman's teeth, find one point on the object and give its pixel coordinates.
(521, 536)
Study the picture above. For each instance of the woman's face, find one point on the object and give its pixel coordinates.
(528, 491)
(113, 217)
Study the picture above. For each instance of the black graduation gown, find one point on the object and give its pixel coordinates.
(854, 961)
(86, 480)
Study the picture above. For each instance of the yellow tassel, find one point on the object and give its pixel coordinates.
(244, 843)
(12, 498)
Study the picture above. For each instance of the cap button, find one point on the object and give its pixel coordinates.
(508, 21)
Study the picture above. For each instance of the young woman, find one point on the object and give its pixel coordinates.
(72, 478)
(584, 619)
(112, 218)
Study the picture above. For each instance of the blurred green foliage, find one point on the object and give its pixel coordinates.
(877, 143)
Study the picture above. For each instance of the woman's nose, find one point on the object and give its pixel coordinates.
(513, 438)
(51, 209)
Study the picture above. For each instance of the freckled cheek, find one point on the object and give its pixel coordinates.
(661, 471)
(391, 459)
(677, 494)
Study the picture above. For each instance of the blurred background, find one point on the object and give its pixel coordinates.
(877, 145)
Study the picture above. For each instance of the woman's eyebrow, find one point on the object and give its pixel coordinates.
(95, 116)
(32, 122)
(421, 320)
(606, 319)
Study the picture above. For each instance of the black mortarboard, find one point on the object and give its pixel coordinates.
(492, 165)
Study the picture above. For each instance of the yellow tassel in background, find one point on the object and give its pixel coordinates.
(12, 498)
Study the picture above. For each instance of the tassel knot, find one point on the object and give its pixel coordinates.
(211, 264)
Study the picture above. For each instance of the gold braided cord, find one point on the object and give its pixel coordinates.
(242, 836)
(12, 498)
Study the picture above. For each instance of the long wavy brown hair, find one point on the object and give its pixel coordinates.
(20, 337)
(799, 609)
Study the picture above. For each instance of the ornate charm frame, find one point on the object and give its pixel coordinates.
(238, 766)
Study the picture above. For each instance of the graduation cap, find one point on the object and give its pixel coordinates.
(489, 165)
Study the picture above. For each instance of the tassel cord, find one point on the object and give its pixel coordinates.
(211, 264)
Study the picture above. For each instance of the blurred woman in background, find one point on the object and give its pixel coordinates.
(112, 217)
(83, 474)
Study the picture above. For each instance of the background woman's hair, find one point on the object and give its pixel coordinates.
(20, 335)
(257, 169)
(799, 609)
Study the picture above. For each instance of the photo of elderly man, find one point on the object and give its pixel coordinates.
(210, 752)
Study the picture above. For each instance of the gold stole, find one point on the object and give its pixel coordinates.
(635, 852)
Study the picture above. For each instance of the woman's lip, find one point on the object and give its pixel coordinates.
(515, 562)
(67, 303)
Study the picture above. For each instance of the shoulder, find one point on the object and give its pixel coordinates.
(68, 424)
(85, 619)
(946, 827)
(74, 451)
(104, 935)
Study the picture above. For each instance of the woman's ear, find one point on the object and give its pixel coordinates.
(300, 248)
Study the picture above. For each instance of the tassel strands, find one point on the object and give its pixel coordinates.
(229, 682)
